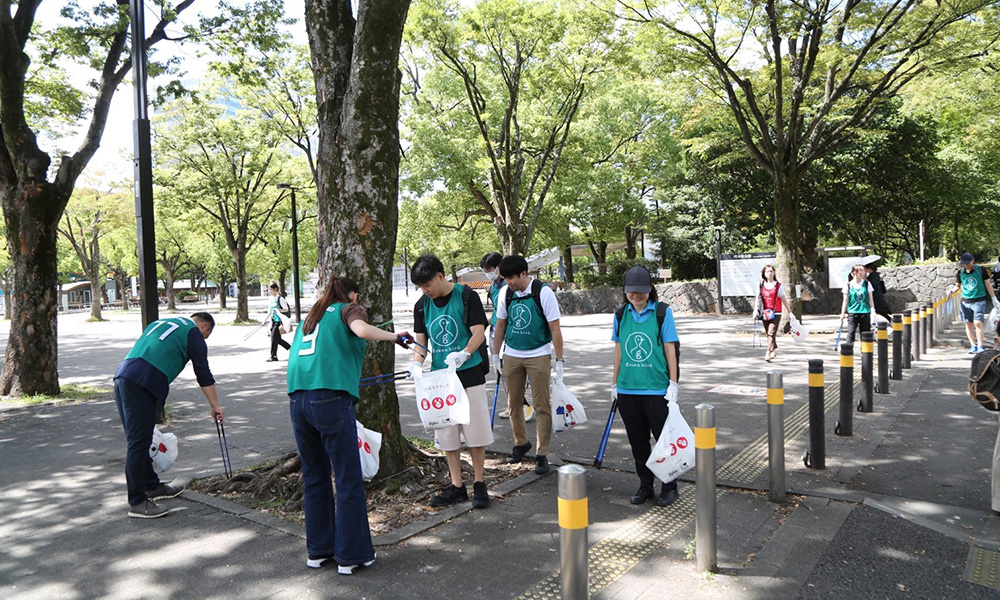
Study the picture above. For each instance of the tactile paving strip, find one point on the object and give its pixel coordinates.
(613, 556)
(983, 567)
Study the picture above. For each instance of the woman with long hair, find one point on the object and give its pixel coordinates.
(645, 375)
(277, 308)
(770, 301)
(324, 367)
(858, 303)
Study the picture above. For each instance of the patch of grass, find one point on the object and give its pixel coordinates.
(422, 443)
(690, 548)
(96, 320)
(68, 393)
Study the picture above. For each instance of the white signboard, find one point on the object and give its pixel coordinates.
(740, 273)
(840, 270)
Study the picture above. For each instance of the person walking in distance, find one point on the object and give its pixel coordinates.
(770, 300)
(857, 304)
(142, 383)
(645, 375)
(490, 264)
(324, 367)
(972, 281)
(881, 306)
(450, 320)
(528, 323)
(277, 308)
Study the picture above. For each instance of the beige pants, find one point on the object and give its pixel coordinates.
(516, 371)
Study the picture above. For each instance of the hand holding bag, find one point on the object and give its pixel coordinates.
(163, 450)
(441, 400)
(567, 411)
(369, 444)
(674, 453)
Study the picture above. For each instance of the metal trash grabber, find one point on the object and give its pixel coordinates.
(599, 459)
(836, 344)
(255, 330)
(227, 463)
(496, 393)
(757, 343)
(380, 379)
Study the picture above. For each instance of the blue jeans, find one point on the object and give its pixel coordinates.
(137, 409)
(326, 434)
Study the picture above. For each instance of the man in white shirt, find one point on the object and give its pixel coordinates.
(528, 322)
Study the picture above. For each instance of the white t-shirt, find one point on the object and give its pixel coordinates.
(550, 308)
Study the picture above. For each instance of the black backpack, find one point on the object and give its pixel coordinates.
(483, 351)
(536, 294)
(661, 315)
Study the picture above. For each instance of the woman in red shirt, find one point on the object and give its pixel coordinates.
(770, 299)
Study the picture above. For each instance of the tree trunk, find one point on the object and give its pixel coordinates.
(30, 363)
(357, 90)
(567, 255)
(242, 311)
(788, 236)
(223, 291)
(168, 286)
(96, 297)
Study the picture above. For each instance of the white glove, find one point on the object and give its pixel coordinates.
(456, 359)
(416, 370)
(996, 303)
(614, 391)
(496, 365)
(559, 369)
(671, 394)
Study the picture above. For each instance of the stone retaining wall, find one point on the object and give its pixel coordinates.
(908, 286)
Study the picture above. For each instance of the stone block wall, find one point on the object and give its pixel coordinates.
(907, 286)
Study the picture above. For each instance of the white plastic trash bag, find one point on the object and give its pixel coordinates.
(800, 332)
(163, 450)
(369, 444)
(286, 323)
(992, 321)
(674, 453)
(441, 400)
(567, 411)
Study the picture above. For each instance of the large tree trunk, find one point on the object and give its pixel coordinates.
(242, 309)
(96, 297)
(788, 236)
(567, 255)
(168, 288)
(357, 91)
(30, 363)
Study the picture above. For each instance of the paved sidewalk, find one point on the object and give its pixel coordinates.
(895, 514)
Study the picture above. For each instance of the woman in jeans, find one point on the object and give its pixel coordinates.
(324, 367)
(858, 303)
(773, 297)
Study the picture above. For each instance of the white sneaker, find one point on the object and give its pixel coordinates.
(315, 563)
(505, 414)
(529, 413)
(349, 569)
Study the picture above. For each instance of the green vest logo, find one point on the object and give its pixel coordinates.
(444, 330)
(969, 285)
(520, 316)
(639, 346)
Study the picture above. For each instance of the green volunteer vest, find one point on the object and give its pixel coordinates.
(447, 331)
(329, 358)
(643, 365)
(857, 299)
(494, 293)
(163, 345)
(526, 328)
(274, 307)
(973, 285)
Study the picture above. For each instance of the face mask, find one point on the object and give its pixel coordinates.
(492, 275)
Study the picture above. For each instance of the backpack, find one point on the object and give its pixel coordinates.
(288, 309)
(661, 316)
(483, 351)
(984, 380)
(536, 294)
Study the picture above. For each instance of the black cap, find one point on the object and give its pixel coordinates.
(966, 259)
(638, 279)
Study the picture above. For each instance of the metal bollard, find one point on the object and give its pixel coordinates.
(815, 458)
(845, 426)
(865, 402)
(573, 522)
(918, 337)
(907, 338)
(776, 436)
(882, 347)
(897, 347)
(928, 327)
(705, 522)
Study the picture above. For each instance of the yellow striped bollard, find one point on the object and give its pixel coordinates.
(705, 521)
(573, 522)
(816, 457)
(776, 436)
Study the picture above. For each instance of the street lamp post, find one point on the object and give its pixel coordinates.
(295, 251)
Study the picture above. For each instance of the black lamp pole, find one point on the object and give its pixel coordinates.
(295, 251)
(145, 233)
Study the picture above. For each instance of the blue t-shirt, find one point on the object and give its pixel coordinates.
(668, 333)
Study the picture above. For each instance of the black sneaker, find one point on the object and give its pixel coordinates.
(667, 495)
(542, 465)
(517, 454)
(272, 359)
(450, 495)
(641, 495)
(147, 510)
(165, 491)
(480, 498)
